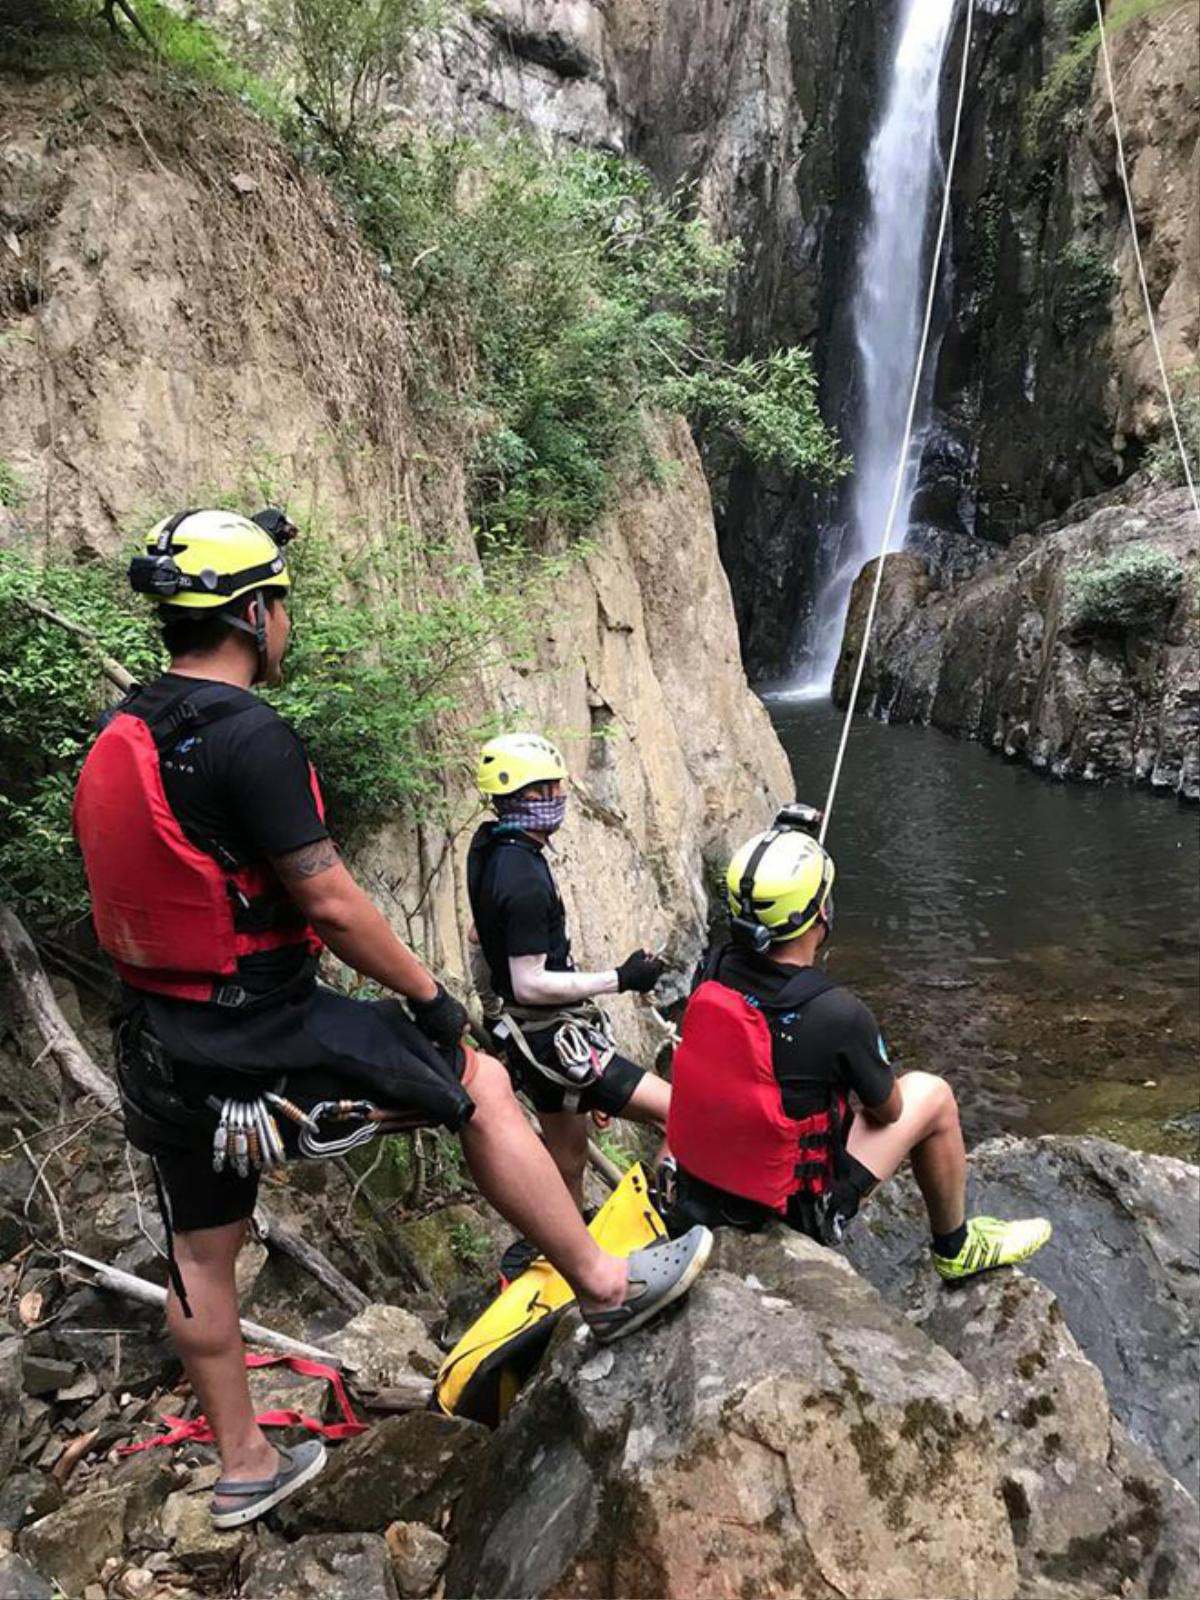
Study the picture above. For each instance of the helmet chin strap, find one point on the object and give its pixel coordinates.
(257, 631)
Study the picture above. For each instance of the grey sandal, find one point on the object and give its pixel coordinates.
(658, 1275)
(296, 1468)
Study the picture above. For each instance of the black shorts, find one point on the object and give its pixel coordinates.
(319, 1046)
(610, 1093)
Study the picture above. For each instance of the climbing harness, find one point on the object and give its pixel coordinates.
(910, 418)
(1123, 170)
(583, 1044)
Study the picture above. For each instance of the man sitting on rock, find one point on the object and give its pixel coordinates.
(772, 1050)
(215, 884)
(540, 1007)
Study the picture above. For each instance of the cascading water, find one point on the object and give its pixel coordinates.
(903, 162)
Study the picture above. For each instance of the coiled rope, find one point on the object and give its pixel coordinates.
(1137, 256)
(914, 395)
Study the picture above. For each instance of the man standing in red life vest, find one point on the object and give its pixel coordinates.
(761, 1123)
(215, 884)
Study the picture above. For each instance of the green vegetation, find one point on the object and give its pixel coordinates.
(51, 689)
(471, 1244)
(372, 688)
(1067, 84)
(342, 52)
(1162, 459)
(1086, 279)
(559, 297)
(12, 487)
(373, 681)
(1134, 589)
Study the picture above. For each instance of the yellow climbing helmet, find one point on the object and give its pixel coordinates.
(514, 760)
(201, 560)
(779, 885)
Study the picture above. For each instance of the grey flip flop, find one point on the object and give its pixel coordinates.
(658, 1275)
(296, 1468)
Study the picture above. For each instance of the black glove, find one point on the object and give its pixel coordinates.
(443, 1019)
(640, 972)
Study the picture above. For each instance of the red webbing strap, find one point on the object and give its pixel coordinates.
(179, 1430)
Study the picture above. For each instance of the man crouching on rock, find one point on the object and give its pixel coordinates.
(215, 885)
(772, 1049)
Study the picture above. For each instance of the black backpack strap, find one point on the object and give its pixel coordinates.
(192, 708)
(806, 985)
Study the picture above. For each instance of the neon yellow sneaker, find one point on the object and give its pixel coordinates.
(992, 1243)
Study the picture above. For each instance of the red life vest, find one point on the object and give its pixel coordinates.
(727, 1125)
(173, 918)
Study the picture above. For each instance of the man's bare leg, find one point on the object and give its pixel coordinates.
(210, 1346)
(517, 1174)
(928, 1132)
(566, 1135)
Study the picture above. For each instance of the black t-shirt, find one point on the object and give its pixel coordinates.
(833, 1041)
(517, 908)
(241, 792)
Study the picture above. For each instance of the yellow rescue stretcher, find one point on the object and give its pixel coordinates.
(483, 1374)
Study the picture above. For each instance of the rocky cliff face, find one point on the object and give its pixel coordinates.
(186, 312)
(1002, 658)
(1045, 389)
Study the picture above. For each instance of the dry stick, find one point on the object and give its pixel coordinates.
(138, 1290)
(405, 1263)
(44, 1011)
(40, 1177)
(309, 1259)
(113, 670)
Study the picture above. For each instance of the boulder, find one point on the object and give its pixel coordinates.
(1088, 1507)
(196, 1545)
(405, 1469)
(418, 1556)
(26, 1496)
(1124, 1264)
(436, 1243)
(384, 1343)
(348, 1566)
(1001, 657)
(71, 1545)
(785, 1432)
(19, 1581)
(10, 1403)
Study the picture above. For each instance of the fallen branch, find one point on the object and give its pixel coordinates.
(45, 1013)
(607, 1171)
(39, 1177)
(404, 1262)
(112, 670)
(138, 1290)
(409, 1394)
(311, 1260)
(72, 1456)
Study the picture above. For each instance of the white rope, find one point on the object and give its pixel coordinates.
(1137, 256)
(902, 462)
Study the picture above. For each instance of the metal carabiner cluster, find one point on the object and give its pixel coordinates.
(361, 1112)
(247, 1136)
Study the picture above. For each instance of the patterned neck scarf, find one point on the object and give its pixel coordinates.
(536, 816)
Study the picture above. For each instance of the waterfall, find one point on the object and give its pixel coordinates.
(903, 162)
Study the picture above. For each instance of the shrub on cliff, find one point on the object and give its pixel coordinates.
(1162, 459)
(559, 295)
(1132, 590)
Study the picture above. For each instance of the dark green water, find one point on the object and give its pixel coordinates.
(1039, 943)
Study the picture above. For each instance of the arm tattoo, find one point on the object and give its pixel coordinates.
(308, 861)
